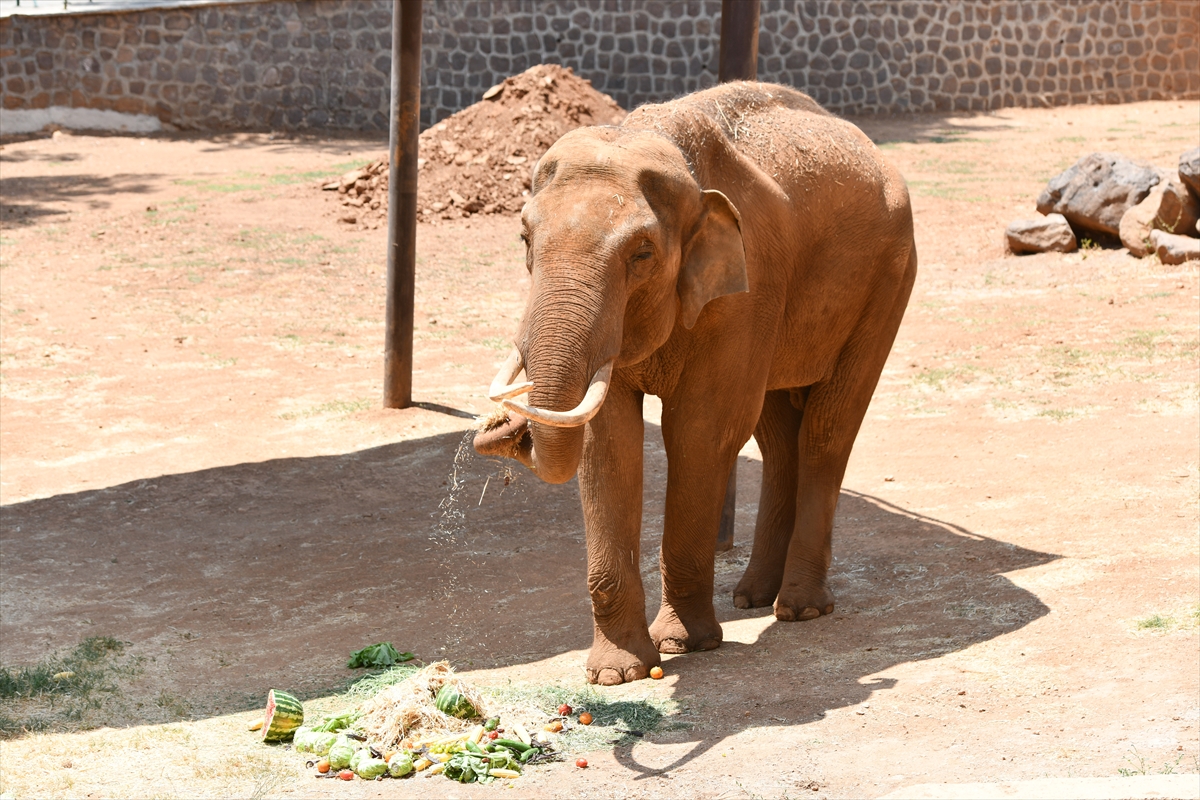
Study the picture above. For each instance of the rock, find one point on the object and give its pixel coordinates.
(1169, 207)
(1189, 171)
(1050, 233)
(1172, 248)
(1097, 191)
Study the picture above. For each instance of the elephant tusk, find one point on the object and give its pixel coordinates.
(502, 386)
(577, 416)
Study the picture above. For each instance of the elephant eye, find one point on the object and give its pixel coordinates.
(644, 253)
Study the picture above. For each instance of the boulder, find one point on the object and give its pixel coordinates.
(1040, 235)
(1097, 191)
(1169, 207)
(1173, 248)
(1189, 171)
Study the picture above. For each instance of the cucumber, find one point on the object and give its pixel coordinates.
(512, 744)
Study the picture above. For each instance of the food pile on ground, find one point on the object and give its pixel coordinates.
(478, 161)
(431, 723)
(1108, 199)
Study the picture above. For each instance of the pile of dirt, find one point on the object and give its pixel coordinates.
(479, 160)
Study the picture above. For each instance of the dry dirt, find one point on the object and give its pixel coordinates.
(195, 462)
(479, 160)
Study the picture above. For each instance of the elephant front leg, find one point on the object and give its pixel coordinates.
(697, 477)
(610, 486)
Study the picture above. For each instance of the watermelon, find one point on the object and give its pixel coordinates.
(284, 716)
(450, 700)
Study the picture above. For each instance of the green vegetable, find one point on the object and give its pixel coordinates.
(492, 724)
(530, 753)
(512, 744)
(338, 722)
(450, 700)
(320, 743)
(340, 753)
(377, 655)
(400, 765)
(301, 739)
(370, 768)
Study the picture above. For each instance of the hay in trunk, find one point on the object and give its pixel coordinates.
(406, 710)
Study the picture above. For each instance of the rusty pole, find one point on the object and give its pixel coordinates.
(739, 62)
(402, 202)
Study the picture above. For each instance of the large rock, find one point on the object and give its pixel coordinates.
(1189, 171)
(1097, 191)
(1040, 235)
(1169, 207)
(1173, 248)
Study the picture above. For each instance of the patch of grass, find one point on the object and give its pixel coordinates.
(218, 361)
(937, 377)
(1057, 414)
(1139, 766)
(615, 721)
(1155, 622)
(945, 191)
(63, 689)
(341, 408)
(955, 167)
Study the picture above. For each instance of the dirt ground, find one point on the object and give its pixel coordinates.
(195, 462)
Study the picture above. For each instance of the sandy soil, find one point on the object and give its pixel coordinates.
(195, 462)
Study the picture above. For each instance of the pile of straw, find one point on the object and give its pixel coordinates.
(406, 711)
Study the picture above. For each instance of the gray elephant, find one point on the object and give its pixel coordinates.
(746, 257)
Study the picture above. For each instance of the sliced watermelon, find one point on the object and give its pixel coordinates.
(284, 715)
(450, 700)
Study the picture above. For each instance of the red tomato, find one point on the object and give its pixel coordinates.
(581, 763)
(564, 710)
(493, 735)
(346, 775)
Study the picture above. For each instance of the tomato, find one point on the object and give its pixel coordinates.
(346, 775)
(585, 718)
(656, 673)
(323, 766)
(564, 710)
(493, 735)
(581, 763)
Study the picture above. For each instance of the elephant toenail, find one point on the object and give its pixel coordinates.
(809, 613)
(785, 613)
(609, 677)
(829, 608)
(741, 601)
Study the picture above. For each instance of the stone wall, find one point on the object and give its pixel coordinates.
(326, 63)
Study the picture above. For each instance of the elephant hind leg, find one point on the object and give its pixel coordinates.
(777, 435)
(833, 412)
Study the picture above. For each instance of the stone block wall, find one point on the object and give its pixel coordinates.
(314, 64)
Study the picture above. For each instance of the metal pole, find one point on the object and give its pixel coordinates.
(402, 202)
(739, 41)
(739, 62)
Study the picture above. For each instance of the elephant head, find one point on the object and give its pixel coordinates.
(622, 247)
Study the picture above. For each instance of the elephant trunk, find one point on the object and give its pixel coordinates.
(569, 344)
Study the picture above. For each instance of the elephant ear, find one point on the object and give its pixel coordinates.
(714, 259)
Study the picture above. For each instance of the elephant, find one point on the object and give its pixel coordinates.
(747, 257)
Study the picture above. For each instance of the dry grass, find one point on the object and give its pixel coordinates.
(406, 710)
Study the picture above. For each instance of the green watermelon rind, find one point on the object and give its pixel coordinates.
(450, 700)
(285, 714)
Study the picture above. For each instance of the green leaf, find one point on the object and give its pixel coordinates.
(377, 655)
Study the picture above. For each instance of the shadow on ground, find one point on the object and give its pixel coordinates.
(242, 578)
(28, 198)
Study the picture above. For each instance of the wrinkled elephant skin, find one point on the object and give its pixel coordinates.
(746, 257)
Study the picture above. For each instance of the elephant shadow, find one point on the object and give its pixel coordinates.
(240, 578)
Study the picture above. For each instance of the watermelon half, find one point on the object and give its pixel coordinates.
(284, 715)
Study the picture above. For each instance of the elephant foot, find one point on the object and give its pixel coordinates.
(609, 665)
(674, 633)
(754, 591)
(798, 604)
